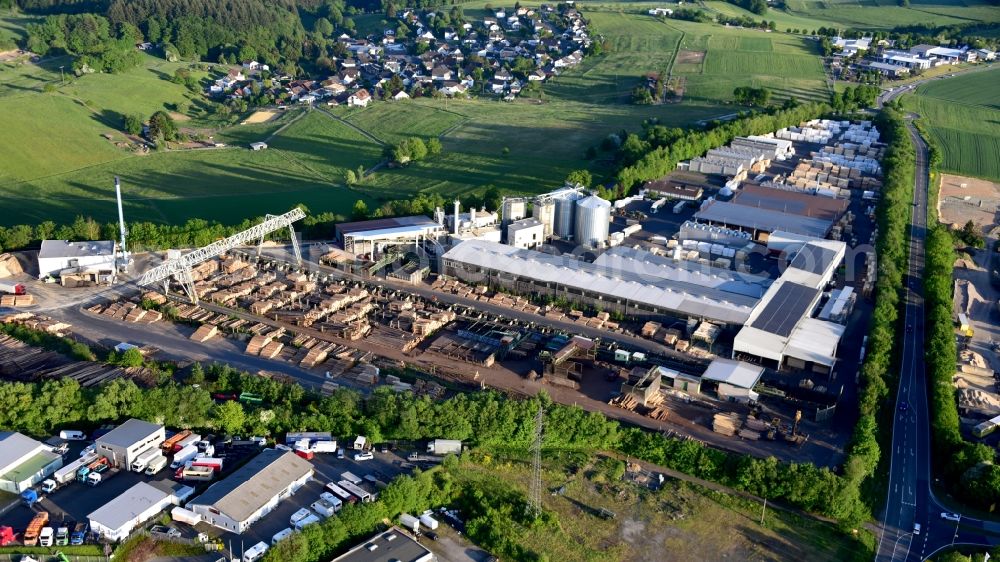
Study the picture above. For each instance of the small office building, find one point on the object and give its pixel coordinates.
(125, 443)
(117, 519)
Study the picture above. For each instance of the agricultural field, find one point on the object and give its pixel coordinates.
(867, 14)
(689, 522)
(963, 116)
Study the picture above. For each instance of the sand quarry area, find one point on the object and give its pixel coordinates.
(262, 116)
(964, 198)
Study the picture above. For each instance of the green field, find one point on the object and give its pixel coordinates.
(963, 115)
(808, 15)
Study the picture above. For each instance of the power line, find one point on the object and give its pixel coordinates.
(535, 491)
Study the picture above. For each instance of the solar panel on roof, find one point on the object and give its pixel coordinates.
(813, 258)
(790, 303)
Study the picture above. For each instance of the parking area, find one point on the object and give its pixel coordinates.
(384, 467)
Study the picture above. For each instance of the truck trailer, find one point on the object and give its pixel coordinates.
(35, 528)
(11, 288)
(144, 458)
(444, 446)
(183, 455)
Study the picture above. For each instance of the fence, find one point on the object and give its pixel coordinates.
(51, 558)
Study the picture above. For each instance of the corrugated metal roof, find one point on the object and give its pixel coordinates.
(254, 484)
(126, 434)
(736, 373)
(767, 220)
(132, 503)
(66, 249)
(689, 294)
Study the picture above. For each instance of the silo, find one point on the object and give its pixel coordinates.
(544, 210)
(593, 215)
(564, 212)
(513, 209)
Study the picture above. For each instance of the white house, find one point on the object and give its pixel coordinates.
(361, 98)
(660, 12)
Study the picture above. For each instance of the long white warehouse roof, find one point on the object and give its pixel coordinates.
(691, 294)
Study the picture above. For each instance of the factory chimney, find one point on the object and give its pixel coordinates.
(458, 209)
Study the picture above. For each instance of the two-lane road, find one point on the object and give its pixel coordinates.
(910, 498)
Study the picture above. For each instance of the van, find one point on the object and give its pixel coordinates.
(72, 435)
(255, 552)
(281, 535)
(916, 528)
(299, 516)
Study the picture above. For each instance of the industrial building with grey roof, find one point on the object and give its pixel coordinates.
(253, 490)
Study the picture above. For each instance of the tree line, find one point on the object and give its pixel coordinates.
(968, 468)
(878, 371)
(97, 44)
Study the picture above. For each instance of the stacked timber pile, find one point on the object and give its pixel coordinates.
(316, 355)
(749, 434)
(154, 297)
(257, 343)
(624, 401)
(19, 360)
(661, 413)
(41, 323)
(430, 388)
(86, 373)
(726, 423)
(363, 374)
(9, 265)
(204, 333)
(272, 349)
(17, 300)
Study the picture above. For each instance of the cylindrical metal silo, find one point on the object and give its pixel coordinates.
(564, 212)
(593, 216)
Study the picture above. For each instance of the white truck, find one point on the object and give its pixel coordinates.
(156, 465)
(324, 447)
(444, 446)
(142, 461)
(183, 455)
(72, 435)
(427, 521)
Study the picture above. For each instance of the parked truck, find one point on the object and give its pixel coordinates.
(197, 473)
(99, 464)
(168, 445)
(444, 446)
(144, 458)
(156, 465)
(7, 535)
(324, 447)
(67, 473)
(184, 455)
(35, 528)
(95, 478)
(192, 439)
(209, 462)
(11, 288)
(30, 496)
(79, 534)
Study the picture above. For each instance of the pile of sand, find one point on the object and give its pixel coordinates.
(9, 265)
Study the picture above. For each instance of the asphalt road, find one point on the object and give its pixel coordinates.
(910, 498)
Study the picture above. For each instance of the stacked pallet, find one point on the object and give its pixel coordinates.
(204, 333)
(726, 423)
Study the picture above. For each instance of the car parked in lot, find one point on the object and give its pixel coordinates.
(950, 516)
(365, 456)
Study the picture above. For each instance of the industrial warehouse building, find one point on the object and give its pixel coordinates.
(628, 286)
(117, 519)
(791, 202)
(374, 235)
(24, 462)
(253, 490)
(392, 545)
(781, 330)
(92, 261)
(735, 379)
(759, 221)
(124, 443)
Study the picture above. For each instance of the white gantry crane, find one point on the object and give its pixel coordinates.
(180, 268)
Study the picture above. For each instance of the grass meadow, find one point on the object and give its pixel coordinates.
(963, 115)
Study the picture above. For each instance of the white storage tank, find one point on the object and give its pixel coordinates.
(593, 217)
